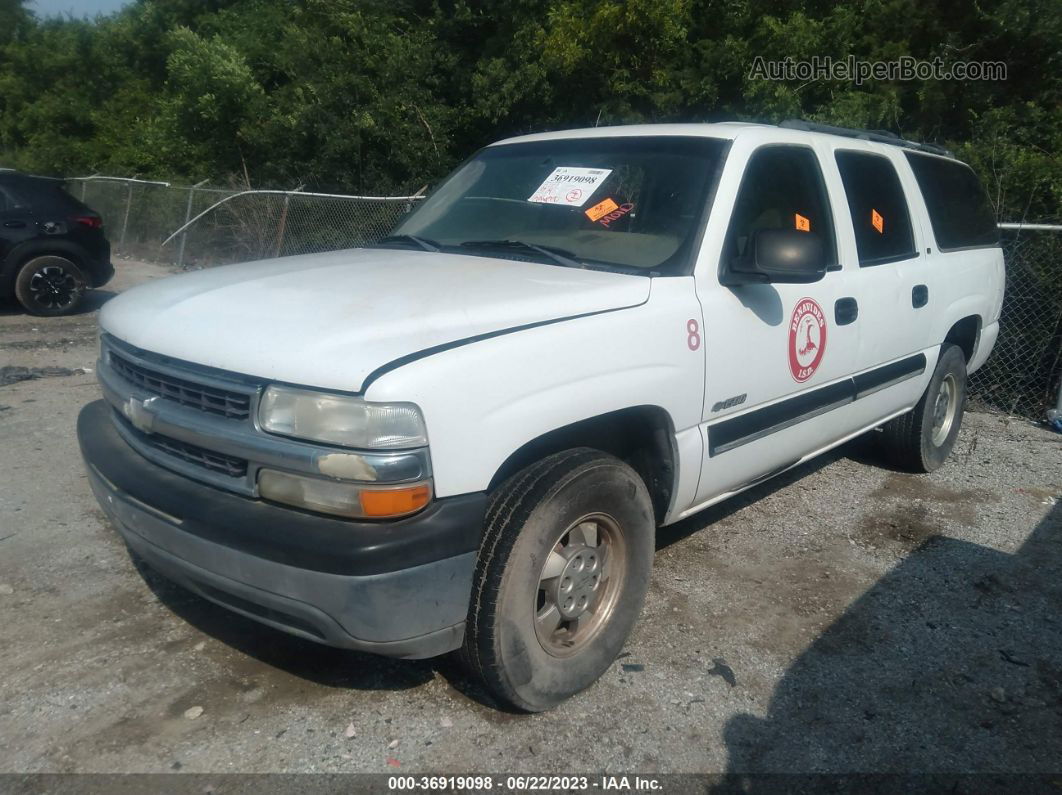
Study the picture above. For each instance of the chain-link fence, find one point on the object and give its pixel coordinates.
(217, 226)
(1022, 375)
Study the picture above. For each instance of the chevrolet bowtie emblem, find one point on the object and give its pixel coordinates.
(139, 413)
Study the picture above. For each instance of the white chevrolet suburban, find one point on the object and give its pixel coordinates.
(465, 436)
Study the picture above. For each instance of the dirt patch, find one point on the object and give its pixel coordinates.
(909, 509)
(11, 374)
(907, 526)
(920, 487)
(45, 344)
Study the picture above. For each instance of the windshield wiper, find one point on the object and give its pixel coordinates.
(423, 242)
(558, 255)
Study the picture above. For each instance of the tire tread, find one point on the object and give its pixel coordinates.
(903, 437)
(509, 508)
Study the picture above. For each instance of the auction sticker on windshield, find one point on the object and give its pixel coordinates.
(570, 185)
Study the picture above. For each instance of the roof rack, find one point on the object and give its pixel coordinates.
(878, 136)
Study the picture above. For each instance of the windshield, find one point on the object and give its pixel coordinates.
(633, 203)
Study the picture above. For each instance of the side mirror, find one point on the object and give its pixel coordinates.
(786, 256)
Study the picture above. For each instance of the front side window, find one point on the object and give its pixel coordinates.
(782, 189)
(629, 203)
(876, 200)
(957, 203)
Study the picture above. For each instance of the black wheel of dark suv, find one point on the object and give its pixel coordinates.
(50, 285)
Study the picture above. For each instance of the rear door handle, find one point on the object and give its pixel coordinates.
(845, 311)
(15, 224)
(919, 296)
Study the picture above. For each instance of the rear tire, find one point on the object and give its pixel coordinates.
(561, 577)
(50, 285)
(922, 439)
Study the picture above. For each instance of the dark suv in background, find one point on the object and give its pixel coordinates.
(52, 247)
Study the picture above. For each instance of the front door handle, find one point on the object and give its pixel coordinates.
(919, 296)
(15, 224)
(845, 311)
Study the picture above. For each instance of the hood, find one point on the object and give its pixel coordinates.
(329, 320)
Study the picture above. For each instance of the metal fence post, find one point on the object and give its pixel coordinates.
(187, 217)
(282, 224)
(125, 221)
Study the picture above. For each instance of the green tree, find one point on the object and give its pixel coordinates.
(386, 95)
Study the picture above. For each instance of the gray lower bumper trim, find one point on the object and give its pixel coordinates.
(412, 613)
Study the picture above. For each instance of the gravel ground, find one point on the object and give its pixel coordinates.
(841, 618)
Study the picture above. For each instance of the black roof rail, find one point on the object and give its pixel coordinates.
(878, 136)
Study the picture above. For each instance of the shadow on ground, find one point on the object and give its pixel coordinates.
(951, 663)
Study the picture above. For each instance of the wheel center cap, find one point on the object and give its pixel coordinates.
(940, 411)
(578, 581)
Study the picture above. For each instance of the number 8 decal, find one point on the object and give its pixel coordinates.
(693, 331)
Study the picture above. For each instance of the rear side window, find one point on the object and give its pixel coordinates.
(782, 189)
(957, 203)
(9, 198)
(880, 217)
(48, 195)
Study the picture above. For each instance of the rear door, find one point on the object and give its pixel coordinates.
(889, 268)
(17, 222)
(779, 357)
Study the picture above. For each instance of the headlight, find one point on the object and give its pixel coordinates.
(341, 419)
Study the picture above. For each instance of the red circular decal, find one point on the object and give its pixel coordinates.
(807, 339)
(574, 195)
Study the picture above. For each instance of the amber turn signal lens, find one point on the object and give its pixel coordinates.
(353, 499)
(394, 502)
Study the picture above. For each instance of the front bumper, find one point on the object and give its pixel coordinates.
(398, 588)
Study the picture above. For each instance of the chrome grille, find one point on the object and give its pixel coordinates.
(216, 462)
(228, 465)
(222, 402)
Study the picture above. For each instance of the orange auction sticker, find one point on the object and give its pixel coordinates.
(601, 209)
(877, 221)
(802, 224)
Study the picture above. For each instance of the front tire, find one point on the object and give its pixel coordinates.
(50, 285)
(922, 439)
(561, 577)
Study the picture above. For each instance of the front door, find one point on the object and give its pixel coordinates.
(778, 356)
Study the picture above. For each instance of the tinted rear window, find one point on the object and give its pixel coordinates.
(41, 193)
(957, 203)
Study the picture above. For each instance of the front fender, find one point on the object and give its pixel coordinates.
(485, 400)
